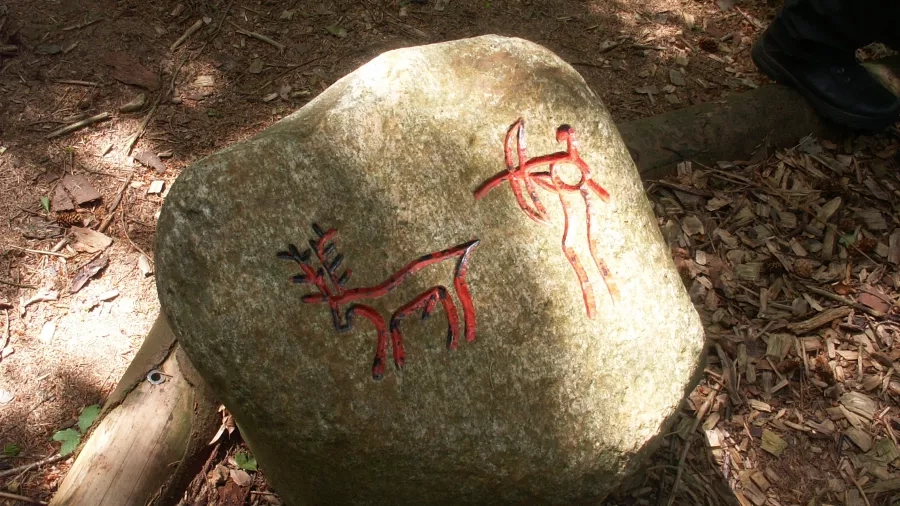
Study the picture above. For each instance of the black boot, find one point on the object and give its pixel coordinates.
(842, 90)
(811, 46)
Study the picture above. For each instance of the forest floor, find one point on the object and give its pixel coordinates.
(161, 84)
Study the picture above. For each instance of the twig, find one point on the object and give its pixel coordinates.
(187, 33)
(59, 245)
(260, 37)
(753, 21)
(133, 245)
(646, 46)
(17, 497)
(82, 25)
(8, 50)
(115, 204)
(26, 467)
(76, 82)
(17, 285)
(585, 64)
(79, 125)
(143, 126)
(701, 413)
(288, 71)
(843, 300)
(5, 331)
(859, 488)
(38, 252)
(29, 211)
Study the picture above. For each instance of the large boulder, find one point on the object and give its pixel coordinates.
(296, 268)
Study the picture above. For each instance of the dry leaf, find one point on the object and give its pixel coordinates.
(241, 478)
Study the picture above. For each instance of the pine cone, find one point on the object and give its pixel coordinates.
(709, 45)
(69, 218)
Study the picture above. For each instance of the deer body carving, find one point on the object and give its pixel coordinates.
(345, 304)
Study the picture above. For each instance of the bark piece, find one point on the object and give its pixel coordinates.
(87, 272)
(61, 200)
(127, 70)
(86, 240)
(80, 188)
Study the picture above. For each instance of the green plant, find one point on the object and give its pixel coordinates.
(71, 438)
(12, 450)
(245, 461)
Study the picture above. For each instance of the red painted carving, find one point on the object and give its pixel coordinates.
(331, 290)
(525, 175)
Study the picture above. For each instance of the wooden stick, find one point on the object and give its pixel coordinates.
(140, 131)
(5, 331)
(115, 204)
(8, 50)
(78, 125)
(26, 467)
(260, 37)
(17, 497)
(844, 300)
(17, 285)
(82, 25)
(187, 33)
(76, 82)
(701, 413)
(753, 21)
(133, 245)
(38, 252)
(288, 71)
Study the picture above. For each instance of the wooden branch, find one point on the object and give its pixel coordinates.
(76, 82)
(82, 25)
(78, 125)
(39, 252)
(288, 71)
(5, 331)
(17, 497)
(133, 245)
(843, 300)
(187, 33)
(260, 37)
(143, 126)
(26, 467)
(17, 285)
(115, 204)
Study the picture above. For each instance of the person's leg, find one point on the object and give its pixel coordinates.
(811, 45)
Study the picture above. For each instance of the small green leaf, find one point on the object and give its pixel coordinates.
(245, 461)
(337, 31)
(45, 203)
(87, 417)
(70, 439)
(11, 450)
(848, 239)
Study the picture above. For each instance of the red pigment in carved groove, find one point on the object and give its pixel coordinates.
(525, 175)
(331, 291)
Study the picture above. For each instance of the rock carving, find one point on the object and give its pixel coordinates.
(525, 175)
(344, 304)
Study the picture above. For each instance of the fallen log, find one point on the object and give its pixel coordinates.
(728, 130)
(732, 129)
(154, 433)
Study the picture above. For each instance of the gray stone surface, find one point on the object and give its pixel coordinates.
(546, 405)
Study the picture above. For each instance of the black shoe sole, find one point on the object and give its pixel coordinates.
(776, 71)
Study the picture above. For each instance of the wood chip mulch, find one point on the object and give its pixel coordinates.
(793, 264)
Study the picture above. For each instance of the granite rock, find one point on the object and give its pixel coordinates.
(559, 336)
